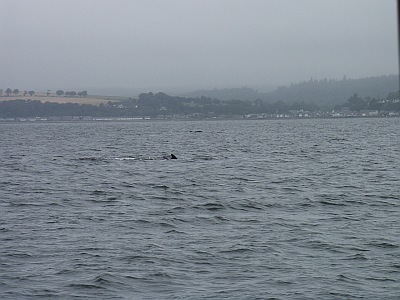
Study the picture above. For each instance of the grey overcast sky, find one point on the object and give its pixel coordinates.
(193, 43)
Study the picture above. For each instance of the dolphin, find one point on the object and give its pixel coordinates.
(171, 156)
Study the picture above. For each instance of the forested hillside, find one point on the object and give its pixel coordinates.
(324, 92)
(331, 92)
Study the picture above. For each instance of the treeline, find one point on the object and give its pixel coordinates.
(160, 104)
(16, 92)
(71, 93)
(59, 93)
(356, 103)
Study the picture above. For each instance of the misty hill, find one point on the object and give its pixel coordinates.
(331, 92)
(244, 93)
(324, 92)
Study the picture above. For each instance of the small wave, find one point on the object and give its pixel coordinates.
(85, 286)
(338, 140)
(221, 218)
(159, 275)
(384, 245)
(358, 248)
(165, 224)
(127, 184)
(380, 279)
(160, 186)
(248, 205)
(18, 255)
(143, 221)
(237, 250)
(375, 170)
(175, 209)
(338, 295)
(90, 158)
(306, 204)
(10, 183)
(103, 279)
(173, 231)
(326, 202)
(65, 272)
(358, 256)
(394, 197)
(246, 179)
(211, 206)
(203, 157)
(98, 192)
(396, 266)
(21, 204)
(344, 278)
(134, 257)
(317, 244)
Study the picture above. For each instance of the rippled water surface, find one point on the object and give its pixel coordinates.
(291, 209)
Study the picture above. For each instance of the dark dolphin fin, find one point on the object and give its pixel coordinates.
(173, 156)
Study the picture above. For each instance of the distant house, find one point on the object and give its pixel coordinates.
(373, 113)
(53, 118)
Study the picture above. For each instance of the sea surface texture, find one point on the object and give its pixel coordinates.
(269, 209)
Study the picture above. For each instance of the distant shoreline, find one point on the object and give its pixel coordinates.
(68, 119)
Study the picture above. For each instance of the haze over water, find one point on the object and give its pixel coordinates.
(174, 46)
(294, 209)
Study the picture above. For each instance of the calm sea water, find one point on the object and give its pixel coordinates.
(293, 209)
